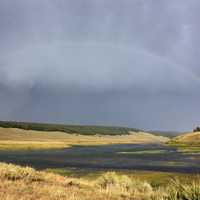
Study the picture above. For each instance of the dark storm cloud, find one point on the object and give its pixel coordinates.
(123, 59)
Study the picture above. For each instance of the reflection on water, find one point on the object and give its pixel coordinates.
(117, 156)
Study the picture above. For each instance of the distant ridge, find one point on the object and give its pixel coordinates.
(78, 129)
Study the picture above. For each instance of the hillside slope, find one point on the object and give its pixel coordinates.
(14, 138)
(70, 129)
(187, 138)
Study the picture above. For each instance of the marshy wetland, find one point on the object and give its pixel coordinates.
(89, 155)
(153, 157)
(84, 161)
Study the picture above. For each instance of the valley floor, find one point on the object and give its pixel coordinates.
(138, 166)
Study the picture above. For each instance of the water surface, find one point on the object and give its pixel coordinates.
(116, 156)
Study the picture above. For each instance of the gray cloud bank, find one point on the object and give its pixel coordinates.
(112, 62)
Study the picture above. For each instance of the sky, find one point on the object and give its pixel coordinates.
(128, 63)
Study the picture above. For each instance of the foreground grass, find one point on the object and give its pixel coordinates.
(19, 139)
(24, 183)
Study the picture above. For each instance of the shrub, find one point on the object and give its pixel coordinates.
(125, 183)
(142, 186)
(197, 129)
(111, 182)
(108, 180)
(13, 172)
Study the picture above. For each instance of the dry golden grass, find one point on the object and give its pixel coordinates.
(12, 139)
(9, 145)
(188, 138)
(24, 183)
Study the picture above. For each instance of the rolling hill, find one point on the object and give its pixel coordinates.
(70, 129)
(21, 135)
(187, 138)
(14, 138)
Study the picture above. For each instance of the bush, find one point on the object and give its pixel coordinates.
(108, 180)
(197, 129)
(112, 182)
(13, 172)
(125, 183)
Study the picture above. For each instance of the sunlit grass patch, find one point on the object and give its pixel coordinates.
(30, 145)
(13, 172)
(114, 183)
(25, 183)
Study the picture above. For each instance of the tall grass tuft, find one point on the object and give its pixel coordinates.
(114, 183)
(179, 191)
(14, 172)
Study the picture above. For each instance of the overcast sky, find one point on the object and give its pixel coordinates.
(108, 62)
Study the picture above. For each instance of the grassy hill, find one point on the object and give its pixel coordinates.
(15, 138)
(192, 138)
(23, 135)
(78, 129)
